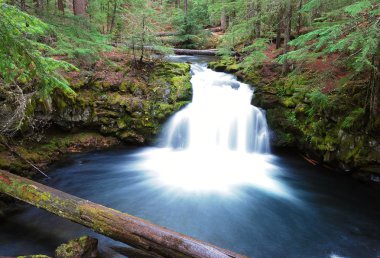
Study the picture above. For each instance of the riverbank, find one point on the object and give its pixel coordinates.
(318, 110)
(115, 103)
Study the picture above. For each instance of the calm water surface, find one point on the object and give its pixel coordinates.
(321, 215)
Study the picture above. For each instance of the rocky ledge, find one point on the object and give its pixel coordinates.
(326, 122)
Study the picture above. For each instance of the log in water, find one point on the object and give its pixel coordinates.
(115, 224)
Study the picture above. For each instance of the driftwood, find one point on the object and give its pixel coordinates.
(119, 226)
(207, 52)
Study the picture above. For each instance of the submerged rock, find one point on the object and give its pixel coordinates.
(83, 247)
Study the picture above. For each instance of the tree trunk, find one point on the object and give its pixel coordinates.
(288, 30)
(61, 6)
(23, 5)
(299, 20)
(142, 40)
(113, 16)
(209, 52)
(280, 25)
(258, 21)
(185, 6)
(374, 90)
(39, 6)
(117, 225)
(79, 7)
(224, 20)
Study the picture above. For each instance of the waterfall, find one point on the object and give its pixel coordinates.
(216, 143)
(220, 117)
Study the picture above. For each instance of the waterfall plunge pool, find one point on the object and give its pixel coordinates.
(212, 177)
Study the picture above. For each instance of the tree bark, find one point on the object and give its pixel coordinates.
(79, 7)
(61, 6)
(299, 20)
(23, 5)
(374, 90)
(113, 16)
(258, 21)
(279, 28)
(208, 52)
(39, 6)
(288, 30)
(115, 224)
(224, 20)
(185, 6)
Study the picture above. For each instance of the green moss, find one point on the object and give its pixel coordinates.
(289, 102)
(354, 120)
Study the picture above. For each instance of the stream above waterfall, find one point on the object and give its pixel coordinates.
(212, 176)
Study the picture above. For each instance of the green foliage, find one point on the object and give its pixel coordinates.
(141, 26)
(352, 30)
(319, 102)
(78, 38)
(256, 54)
(354, 118)
(190, 32)
(21, 54)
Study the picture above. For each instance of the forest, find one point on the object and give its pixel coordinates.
(81, 79)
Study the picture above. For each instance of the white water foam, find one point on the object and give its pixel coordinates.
(217, 143)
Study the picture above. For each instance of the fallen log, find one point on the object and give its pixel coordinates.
(206, 52)
(167, 33)
(119, 226)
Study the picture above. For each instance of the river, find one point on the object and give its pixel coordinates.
(212, 175)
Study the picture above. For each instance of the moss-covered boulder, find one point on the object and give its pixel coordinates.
(130, 106)
(83, 247)
(329, 126)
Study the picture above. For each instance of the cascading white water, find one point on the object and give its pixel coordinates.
(220, 117)
(216, 143)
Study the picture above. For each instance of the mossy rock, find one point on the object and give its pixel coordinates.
(83, 247)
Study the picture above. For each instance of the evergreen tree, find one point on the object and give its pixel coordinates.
(24, 70)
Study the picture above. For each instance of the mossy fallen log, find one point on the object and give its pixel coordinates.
(119, 226)
(205, 52)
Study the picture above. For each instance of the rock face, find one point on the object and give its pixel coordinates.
(331, 127)
(130, 108)
(83, 247)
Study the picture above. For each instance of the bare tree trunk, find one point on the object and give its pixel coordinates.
(123, 227)
(143, 39)
(113, 16)
(288, 30)
(299, 20)
(23, 5)
(79, 7)
(374, 90)
(185, 6)
(108, 15)
(280, 26)
(39, 6)
(224, 20)
(258, 21)
(61, 6)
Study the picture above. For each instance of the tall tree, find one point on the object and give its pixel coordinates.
(288, 30)
(61, 6)
(79, 7)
